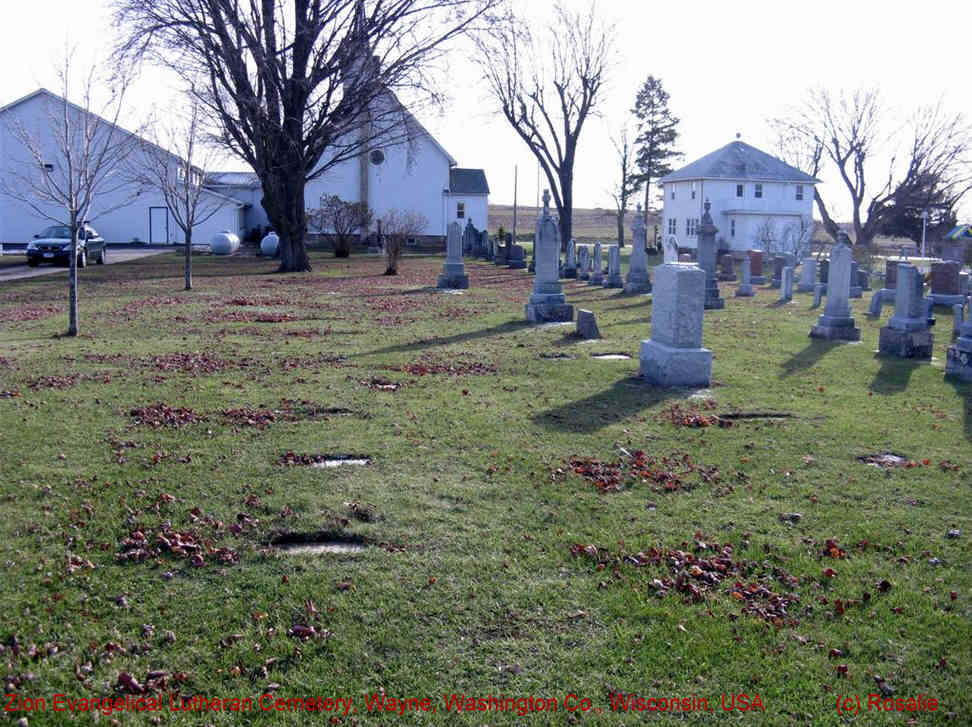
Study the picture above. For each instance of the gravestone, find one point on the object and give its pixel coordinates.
(745, 289)
(613, 279)
(686, 257)
(823, 271)
(674, 356)
(808, 275)
(502, 252)
(958, 318)
(583, 263)
(516, 259)
(639, 279)
(964, 288)
(756, 260)
(891, 274)
(486, 250)
(453, 274)
(786, 285)
(470, 239)
(727, 268)
(547, 303)
(779, 262)
(864, 279)
(836, 323)
(877, 301)
(707, 259)
(570, 265)
(597, 272)
(587, 325)
(907, 334)
(818, 293)
(855, 288)
(946, 284)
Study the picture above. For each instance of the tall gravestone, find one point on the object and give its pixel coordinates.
(453, 274)
(907, 334)
(756, 261)
(583, 263)
(745, 289)
(946, 283)
(674, 356)
(786, 285)
(707, 259)
(470, 238)
(502, 250)
(855, 286)
(613, 278)
(779, 262)
(823, 271)
(597, 271)
(836, 323)
(547, 303)
(570, 264)
(639, 280)
(808, 275)
(727, 268)
(516, 258)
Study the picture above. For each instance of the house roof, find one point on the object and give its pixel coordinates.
(233, 179)
(739, 160)
(467, 181)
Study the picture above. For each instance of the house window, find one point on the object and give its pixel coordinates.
(739, 190)
(460, 210)
(758, 193)
(799, 192)
(693, 190)
(47, 167)
(672, 226)
(673, 191)
(732, 228)
(692, 226)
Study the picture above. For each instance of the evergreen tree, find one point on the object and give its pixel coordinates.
(657, 132)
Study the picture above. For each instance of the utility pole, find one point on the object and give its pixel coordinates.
(515, 179)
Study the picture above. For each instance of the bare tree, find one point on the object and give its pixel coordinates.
(628, 182)
(849, 131)
(343, 218)
(175, 164)
(301, 86)
(398, 227)
(72, 166)
(547, 88)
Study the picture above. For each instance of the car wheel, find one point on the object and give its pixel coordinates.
(82, 259)
(102, 257)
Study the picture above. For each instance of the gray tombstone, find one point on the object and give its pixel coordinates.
(516, 259)
(779, 262)
(808, 275)
(727, 268)
(707, 259)
(587, 325)
(613, 279)
(674, 356)
(453, 274)
(583, 263)
(639, 279)
(907, 334)
(570, 264)
(745, 289)
(958, 318)
(547, 303)
(836, 323)
(597, 271)
(877, 301)
(470, 238)
(946, 283)
(855, 287)
(786, 285)
(818, 292)
(501, 252)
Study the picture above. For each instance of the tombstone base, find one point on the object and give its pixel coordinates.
(727, 278)
(638, 282)
(803, 288)
(744, 291)
(758, 280)
(835, 329)
(958, 363)
(500, 259)
(613, 281)
(583, 275)
(856, 292)
(569, 273)
(946, 299)
(596, 279)
(905, 344)
(714, 303)
(666, 366)
(549, 312)
(453, 281)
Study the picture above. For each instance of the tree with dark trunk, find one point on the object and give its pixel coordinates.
(657, 132)
(628, 182)
(547, 88)
(299, 87)
(849, 132)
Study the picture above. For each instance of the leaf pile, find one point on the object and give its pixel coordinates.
(693, 416)
(662, 474)
(162, 415)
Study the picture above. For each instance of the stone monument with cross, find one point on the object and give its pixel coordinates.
(547, 303)
(639, 279)
(453, 274)
(707, 258)
(836, 322)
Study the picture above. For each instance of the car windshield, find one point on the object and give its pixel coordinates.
(58, 232)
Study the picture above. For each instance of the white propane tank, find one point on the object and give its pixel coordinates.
(224, 243)
(268, 246)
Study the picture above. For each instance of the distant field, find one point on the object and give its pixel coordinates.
(588, 223)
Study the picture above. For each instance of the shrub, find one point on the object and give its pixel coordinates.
(344, 218)
(397, 226)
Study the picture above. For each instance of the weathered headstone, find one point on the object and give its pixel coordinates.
(786, 285)
(836, 323)
(855, 288)
(864, 279)
(639, 279)
(486, 250)
(707, 259)
(877, 301)
(502, 252)
(453, 274)
(674, 356)
(779, 262)
(670, 251)
(818, 293)
(597, 271)
(891, 274)
(686, 257)
(745, 289)
(727, 268)
(823, 271)
(587, 324)
(756, 260)
(570, 264)
(946, 285)
(958, 318)
(470, 238)
(907, 334)
(548, 303)
(964, 284)
(516, 260)
(583, 263)
(613, 279)
(808, 275)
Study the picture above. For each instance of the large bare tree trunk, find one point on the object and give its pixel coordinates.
(283, 201)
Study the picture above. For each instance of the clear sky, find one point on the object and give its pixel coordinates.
(727, 66)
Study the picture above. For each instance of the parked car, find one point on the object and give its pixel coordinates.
(53, 245)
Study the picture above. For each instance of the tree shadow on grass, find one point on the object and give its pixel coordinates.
(508, 327)
(964, 389)
(624, 398)
(894, 374)
(814, 351)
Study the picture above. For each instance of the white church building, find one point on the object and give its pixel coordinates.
(754, 196)
(419, 176)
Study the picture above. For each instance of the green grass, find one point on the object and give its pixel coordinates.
(472, 584)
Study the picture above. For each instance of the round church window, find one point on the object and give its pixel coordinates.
(377, 157)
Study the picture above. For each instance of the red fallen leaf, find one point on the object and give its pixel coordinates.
(926, 462)
(344, 585)
(197, 560)
(432, 580)
(127, 682)
(947, 466)
(943, 663)
(836, 653)
(841, 670)
(829, 573)
(820, 388)
(884, 586)
(898, 610)
(866, 597)
(839, 607)
(953, 595)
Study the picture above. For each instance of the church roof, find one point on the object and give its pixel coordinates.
(739, 160)
(233, 179)
(468, 181)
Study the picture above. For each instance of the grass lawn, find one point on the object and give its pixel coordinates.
(532, 522)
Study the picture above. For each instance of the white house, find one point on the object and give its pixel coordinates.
(468, 198)
(124, 213)
(757, 200)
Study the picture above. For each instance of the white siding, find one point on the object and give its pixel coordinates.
(476, 208)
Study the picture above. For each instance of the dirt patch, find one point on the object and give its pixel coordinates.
(662, 474)
(290, 459)
(161, 415)
(289, 410)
